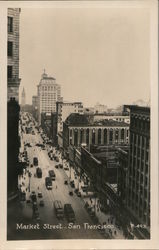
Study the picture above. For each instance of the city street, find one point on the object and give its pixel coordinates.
(60, 191)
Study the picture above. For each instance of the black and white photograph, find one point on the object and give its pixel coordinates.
(79, 118)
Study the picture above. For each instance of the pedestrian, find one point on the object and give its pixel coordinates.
(115, 232)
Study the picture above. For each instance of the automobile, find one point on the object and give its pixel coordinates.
(41, 203)
(35, 206)
(66, 168)
(60, 165)
(36, 215)
(76, 190)
(79, 194)
(65, 182)
(40, 195)
(57, 166)
(71, 193)
(33, 196)
(57, 159)
(72, 184)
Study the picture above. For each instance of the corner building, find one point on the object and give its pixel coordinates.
(138, 182)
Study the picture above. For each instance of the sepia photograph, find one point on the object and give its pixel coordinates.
(80, 113)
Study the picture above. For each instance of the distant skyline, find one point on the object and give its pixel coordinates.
(96, 54)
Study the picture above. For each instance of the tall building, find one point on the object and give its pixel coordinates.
(13, 81)
(35, 107)
(64, 109)
(13, 53)
(49, 92)
(23, 98)
(138, 178)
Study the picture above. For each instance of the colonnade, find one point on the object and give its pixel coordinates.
(98, 136)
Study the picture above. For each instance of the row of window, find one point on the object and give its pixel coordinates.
(48, 88)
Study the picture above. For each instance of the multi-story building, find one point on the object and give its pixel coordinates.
(49, 92)
(64, 109)
(138, 178)
(35, 107)
(13, 81)
(23, 98)
(99, 108)
(13, 53)
(80, 129)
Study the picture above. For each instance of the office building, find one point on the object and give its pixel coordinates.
(49, 92)
(64, 109)
(138, 179)
(13, 82)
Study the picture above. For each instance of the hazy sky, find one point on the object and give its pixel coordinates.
(96, 55)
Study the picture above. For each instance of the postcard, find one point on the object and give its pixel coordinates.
(79, 125)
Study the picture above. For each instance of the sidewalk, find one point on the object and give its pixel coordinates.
(104, 219)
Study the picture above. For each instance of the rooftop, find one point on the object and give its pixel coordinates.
(86, 120)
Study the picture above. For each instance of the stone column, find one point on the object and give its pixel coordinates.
(125, 131)
(72, 136)
(119, 136)
(90, 136)
(96, 136)
(114, 135)
(78, 140)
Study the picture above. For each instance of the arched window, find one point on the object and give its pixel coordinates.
(105, 136)
(99, 136)
(116, 135)
(87, 135)
(110, 136)
(122, 134)
(75, 137)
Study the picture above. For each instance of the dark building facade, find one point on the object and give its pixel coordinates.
(78, 129)
(13, 82)
(138, 178)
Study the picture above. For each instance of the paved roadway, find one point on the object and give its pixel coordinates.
(60, 191)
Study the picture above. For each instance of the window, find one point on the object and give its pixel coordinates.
(10, 48)
(10, 24)
(9, 71)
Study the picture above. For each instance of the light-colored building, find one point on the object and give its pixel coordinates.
(64, 109)
(114, 117)
(49, 92)
(13, 54)
(100, 108)
(23, 100)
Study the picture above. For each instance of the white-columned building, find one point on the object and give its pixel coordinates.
(49, 92)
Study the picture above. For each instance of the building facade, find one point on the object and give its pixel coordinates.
(79, 129)
(100, 108)
(13, 53)
(114, 117)
(138, 179)
(49, 92)
(13, 82)
(35, 107)
(23, 98)
(64, 109)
